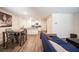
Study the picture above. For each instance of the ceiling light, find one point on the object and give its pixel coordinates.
(25, 13)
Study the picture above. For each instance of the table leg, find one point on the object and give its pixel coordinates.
(3, 39)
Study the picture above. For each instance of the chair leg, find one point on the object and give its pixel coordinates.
(21, 40)
(12, 41)
(7, 43)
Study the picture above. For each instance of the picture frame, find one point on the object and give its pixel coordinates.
(5, 20)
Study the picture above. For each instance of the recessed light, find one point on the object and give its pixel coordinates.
(25, 13)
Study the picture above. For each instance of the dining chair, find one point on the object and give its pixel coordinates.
(21, 38)
(10, 38)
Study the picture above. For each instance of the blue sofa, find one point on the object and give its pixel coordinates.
(69, 47)
(47, 47)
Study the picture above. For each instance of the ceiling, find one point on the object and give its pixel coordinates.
(40, 11)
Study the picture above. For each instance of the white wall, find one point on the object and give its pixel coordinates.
(49, 25)
(76, 24)
(62, 24)
(44, 24)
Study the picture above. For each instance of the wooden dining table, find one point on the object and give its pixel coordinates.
(17, 36)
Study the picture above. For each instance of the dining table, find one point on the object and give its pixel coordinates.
(18, 35)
